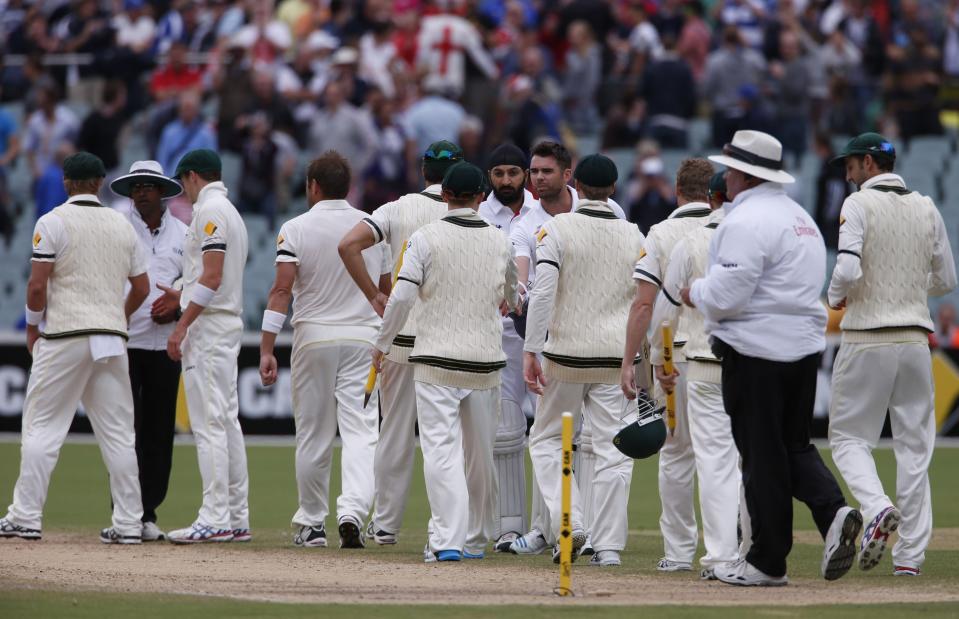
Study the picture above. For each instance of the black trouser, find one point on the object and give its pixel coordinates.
(770, 405)
(154, 379)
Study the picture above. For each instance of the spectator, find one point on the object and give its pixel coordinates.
(344, 69)
(135, 29)
(232, 85)
(946, 334)
(49, 127)
(378, 57)
(100, 131)
(185, 23)
(31, 36)
(583, 72)
(9, 149)
(669, 93)
(433, 118)
(385, 179)
(257, 192)
(694, 39)
(344, 128)
(528, 122)
(653, 198)
(173, 78)
(746, 16)
(793, 81)
(265, 38)
(187, 132)
(913, 85)
(266, 100)
(644, 38)
(831, 191)
(728, 69)
(441, 44)
(48, 190)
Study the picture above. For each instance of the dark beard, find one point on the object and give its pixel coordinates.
(507, 195)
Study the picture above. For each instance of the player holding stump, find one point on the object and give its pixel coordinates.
(207, 338)
(893, 253)
(461, 269)
(83, 255)
(394, 223)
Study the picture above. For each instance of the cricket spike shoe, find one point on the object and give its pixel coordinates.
(876, 537)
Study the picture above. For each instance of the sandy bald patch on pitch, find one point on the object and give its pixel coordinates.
(73, 562)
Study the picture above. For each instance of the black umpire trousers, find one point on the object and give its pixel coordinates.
(770, 405)
(154, 379)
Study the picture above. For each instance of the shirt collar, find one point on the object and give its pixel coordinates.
(210, 189)
(688, 208)
(436, 190)
(137, 219)
(884, 179)
(592, 204)
(331, 205)
(463, 212)
(716, 215)
(83, 197)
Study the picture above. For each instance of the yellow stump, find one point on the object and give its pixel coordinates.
(668, 368)
(566, 528)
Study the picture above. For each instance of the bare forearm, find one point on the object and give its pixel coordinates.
(36, 296)
(190, 314)
(267, 343)
(134, 300)
(639, 316)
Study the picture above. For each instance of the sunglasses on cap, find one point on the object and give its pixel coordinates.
(441, 155)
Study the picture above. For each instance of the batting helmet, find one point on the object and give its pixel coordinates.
(644, 436)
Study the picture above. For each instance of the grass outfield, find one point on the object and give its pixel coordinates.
(79, 502)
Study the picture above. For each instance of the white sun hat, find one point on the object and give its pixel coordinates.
(146, 172)
(757, 154)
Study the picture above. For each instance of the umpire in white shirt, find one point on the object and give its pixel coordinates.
(761, 302)
(154, 377)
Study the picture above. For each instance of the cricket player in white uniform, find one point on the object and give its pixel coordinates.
(709, 430)
(154, 377)
(394, 223)
(83, 255)
(505, 207)
(333, 331)
(207, 338)
(551, 169)
(893, 252)
(582, 297)
(677, 465)
(463, 273)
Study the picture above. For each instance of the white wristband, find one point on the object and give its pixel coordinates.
(202, 295)
(34, 318)
(273, 321)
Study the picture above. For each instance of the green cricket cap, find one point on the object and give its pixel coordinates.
(868, 144)
(463, 179)
(717, 184)
(83, 166)
(199, 160)
(596, 171)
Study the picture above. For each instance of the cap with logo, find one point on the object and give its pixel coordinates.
(440, 156)
(199, 160)
(868, 144)
(83, 166)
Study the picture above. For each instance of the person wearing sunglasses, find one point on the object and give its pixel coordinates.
(394, 223)
(154, 377)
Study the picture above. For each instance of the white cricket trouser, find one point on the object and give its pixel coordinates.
(457, 429)
(328, 386)
(64, 374)
(868, 380)
(509, 455)
(393, 462)
(677, 469)
(603, 405)
(209, 380)
(717, 467)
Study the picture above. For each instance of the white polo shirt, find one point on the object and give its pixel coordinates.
(523, 233)
(216, 226)
(163, 249)
(327, 305)
(498, 214)
(767, 268)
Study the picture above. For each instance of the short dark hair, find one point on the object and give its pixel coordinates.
(210, 176)
(555, 150)
(692, 179)
(885, 164)
(87, 185)
(331, 171)
(596, 193)
(432, 174)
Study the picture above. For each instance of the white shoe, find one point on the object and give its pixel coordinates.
(708, 573)
(579, 540)
(505, 541)
(840, 550)
(876, 536)
(668, 565)
(381, 537)
(199, 533)
(152, 533)
(310, 537)
(8, 529)
(532, 543)
(112, 536)
(587, 547)
(903, 570)
(428, 555)
(742, 573)
(605, 558)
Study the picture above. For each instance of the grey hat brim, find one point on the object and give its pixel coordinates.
(168, 188)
